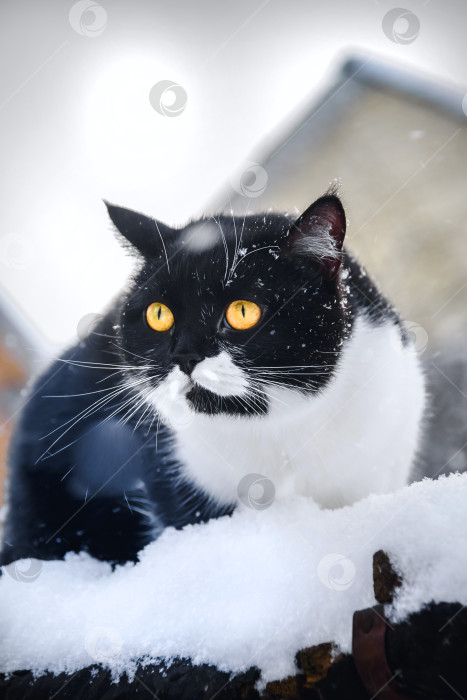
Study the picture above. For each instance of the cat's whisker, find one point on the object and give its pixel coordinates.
(153, 365)
(143, 418)
(158, 425)
(129, 404)
(104, 420)
(101, 365)
(72, 396)
(127, 501)
(238, 244)
(163, 245)
(68, 472)
(145, 412)
(114, 392)
(247, 401)
(280, 383)
(276, 385)
(120, 407)
(256, 250)
(270, 382)
(48, 452)
(253, 400)
(137, 405)
(102, 335)
(329, 352)
(279, 370)
(226, 249)
(247, 404)
(131, 401)
(57, 452)
(109, 376)
(294, 374)
(235, 255)
(155, 415)
(276, 367)
(281, 377)
(103, 401)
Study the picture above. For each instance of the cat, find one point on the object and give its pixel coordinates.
(249, 352)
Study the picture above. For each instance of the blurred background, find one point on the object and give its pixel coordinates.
(177, 109)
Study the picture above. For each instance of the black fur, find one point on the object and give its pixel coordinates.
(91, 466)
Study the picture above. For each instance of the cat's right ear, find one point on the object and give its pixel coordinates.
(319, 233)
(143, 233)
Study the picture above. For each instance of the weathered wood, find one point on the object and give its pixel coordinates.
(315, 661)
(385, 579)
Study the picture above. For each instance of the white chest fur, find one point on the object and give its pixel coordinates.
(358, 437)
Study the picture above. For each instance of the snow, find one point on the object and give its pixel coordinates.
(241, 591)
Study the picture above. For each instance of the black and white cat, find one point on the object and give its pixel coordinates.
(244, 346)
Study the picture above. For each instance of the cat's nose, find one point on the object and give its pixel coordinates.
(187, 361)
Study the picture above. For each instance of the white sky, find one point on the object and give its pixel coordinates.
(76, 124)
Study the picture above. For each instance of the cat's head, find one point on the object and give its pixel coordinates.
(228, 313)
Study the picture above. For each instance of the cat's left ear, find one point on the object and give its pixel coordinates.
(143, 233)
(319, 233)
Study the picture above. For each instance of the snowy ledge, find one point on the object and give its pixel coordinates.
(249, 590)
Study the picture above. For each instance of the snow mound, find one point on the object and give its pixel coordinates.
(247, 590)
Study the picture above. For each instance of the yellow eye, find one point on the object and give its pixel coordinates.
(243, 314)
(159, 316)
